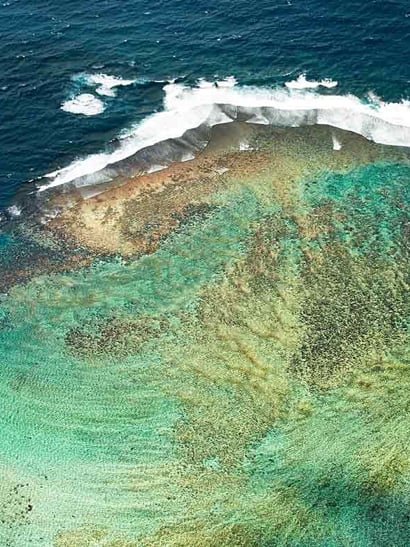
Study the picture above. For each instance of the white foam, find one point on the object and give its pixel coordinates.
(205, 84)
(158, 127)
(337, 145)
(188, 108)
(85, 104)
(106, 84)
(14, 211)
(302, 83)
(245, 146)
(230, 81)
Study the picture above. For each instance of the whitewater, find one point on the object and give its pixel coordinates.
(299, 103)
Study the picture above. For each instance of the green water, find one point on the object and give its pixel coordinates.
(246, 384)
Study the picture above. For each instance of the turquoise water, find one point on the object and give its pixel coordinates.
(245, 384)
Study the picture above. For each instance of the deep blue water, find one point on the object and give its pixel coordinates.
(364, 45)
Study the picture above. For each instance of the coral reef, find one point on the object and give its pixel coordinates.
(243, 381)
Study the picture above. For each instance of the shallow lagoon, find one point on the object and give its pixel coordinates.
(242, 381)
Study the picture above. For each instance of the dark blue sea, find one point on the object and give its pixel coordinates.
(54, 52)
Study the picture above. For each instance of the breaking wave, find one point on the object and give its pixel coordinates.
(302, 83)
(189, 113)
(88, 104)
(105, 84)
(85, 104)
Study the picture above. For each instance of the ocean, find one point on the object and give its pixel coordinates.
(53, 53)
(204, 273)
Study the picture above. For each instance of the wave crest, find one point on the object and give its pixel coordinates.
(106, 84)
(302, 83)
(194, 108)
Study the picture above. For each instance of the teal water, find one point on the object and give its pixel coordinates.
(245, 384)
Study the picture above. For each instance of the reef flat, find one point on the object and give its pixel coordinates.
(220, 355)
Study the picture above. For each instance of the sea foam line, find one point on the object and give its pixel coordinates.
(302, 83)
(188, 108)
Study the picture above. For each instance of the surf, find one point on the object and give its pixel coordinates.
(190, 110)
